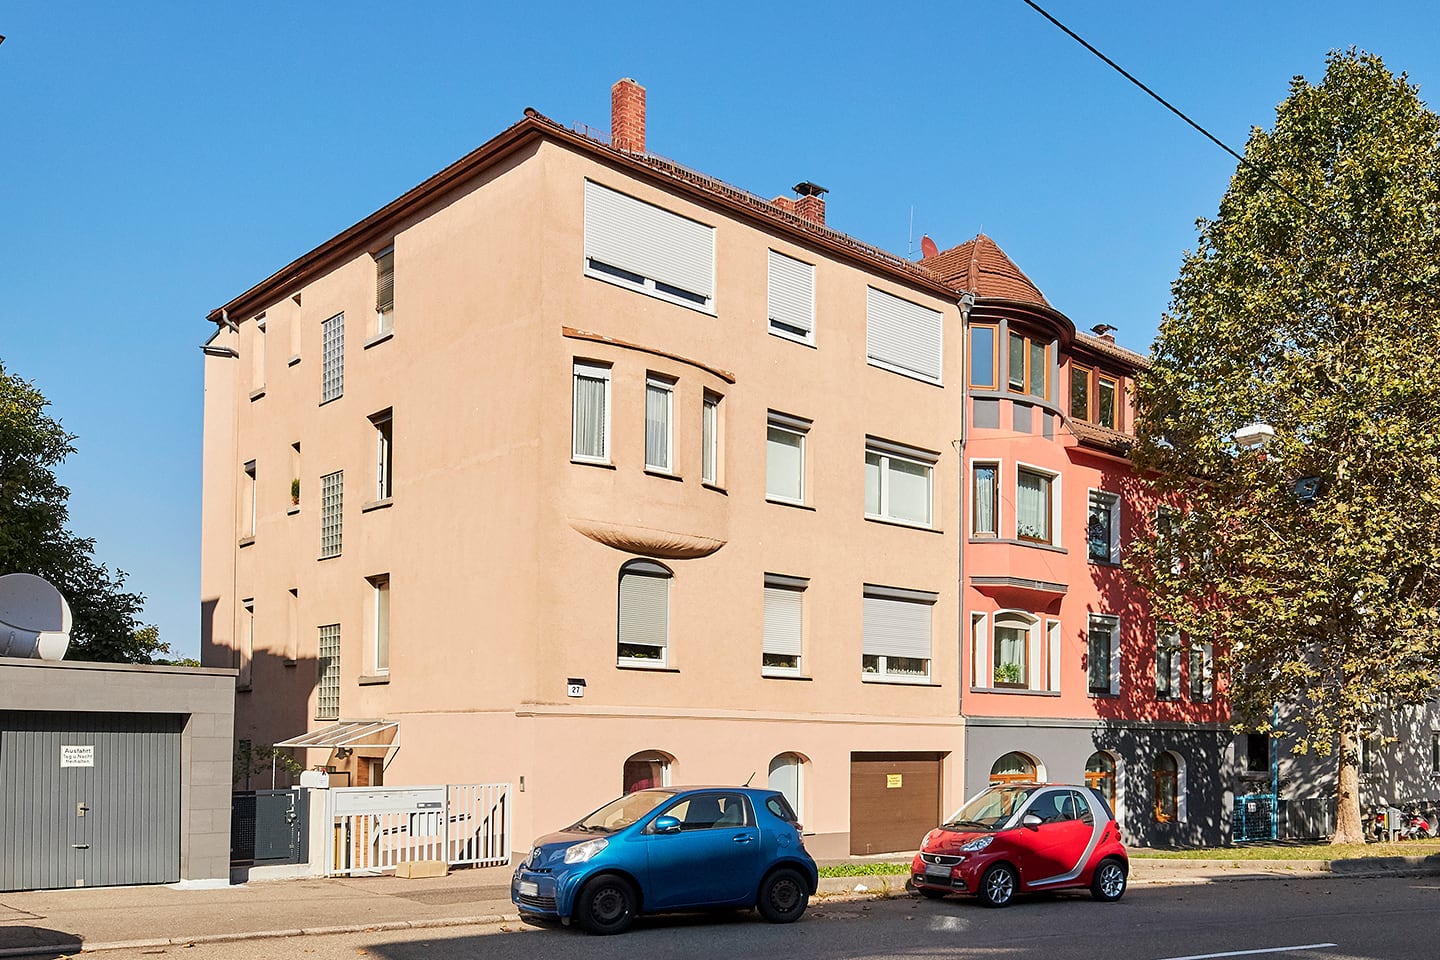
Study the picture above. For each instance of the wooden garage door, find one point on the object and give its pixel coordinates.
(894, 800)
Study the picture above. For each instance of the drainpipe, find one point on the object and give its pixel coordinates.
(967, 303)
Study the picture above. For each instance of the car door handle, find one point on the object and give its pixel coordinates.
(743, 838)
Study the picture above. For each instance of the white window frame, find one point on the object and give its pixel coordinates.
(1203, 656)
(1032, 626)
(380, 623)
(996, 499)
(904, 337)
(784, 601)
(1114, 502)
(384, 424)
(796, 427)
(1112, 659)
(332, 358)
(710, 438)
(251, 500)
(661, 389)
(643, 247)
(1055, 501)
(1167, 638)
(791, 298)
(589, 370)
(884, 632)
(647, 570)
(885, 453)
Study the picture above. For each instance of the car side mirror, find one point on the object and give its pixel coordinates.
(666, 825)
(1031, 821)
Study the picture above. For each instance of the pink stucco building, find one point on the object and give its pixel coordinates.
(575, 469)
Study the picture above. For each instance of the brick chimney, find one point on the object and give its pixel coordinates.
(627, 116)
(811, 203)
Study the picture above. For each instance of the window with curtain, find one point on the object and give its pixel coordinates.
(1014, 768)
(1033, 506)
(1100, 776)
(659, 431)
(785, 458)
(1102, 655)
(787, 775)
(896, 629)
(984, 502)
(644, 616)
(784, 625)
(1011, 655)
(898, 482)
(1167, 788)
(590, 414)
(710, 439)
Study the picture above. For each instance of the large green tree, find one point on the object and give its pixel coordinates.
(1311, 304)
(34, 538)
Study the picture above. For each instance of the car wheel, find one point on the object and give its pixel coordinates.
(997, 887)
(606, 905)
(783, 897)
(1109, 882)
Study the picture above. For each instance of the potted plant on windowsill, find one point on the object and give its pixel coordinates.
(1008, 675)
(295, 492)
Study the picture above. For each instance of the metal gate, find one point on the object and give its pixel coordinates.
(1254, 817)
(270, 827)
(89, 799)
(375, 829)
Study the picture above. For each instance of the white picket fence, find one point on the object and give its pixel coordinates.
(375, 829)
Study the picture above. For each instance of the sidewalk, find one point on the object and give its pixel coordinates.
(55, 922)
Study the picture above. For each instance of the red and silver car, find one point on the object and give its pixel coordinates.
(1025, 838)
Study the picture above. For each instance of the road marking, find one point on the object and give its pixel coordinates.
(1251, 953)
(950, 924)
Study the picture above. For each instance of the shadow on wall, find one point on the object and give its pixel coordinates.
(275, 707)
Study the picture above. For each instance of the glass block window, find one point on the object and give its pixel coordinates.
(332, 496)
(328, 705)
(332, 374)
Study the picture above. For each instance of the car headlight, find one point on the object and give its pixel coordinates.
(582, 852)
(974, 846)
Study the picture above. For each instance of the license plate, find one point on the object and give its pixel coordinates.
(937, 871)
(529, 888)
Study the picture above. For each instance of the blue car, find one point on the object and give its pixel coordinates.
(666, 849)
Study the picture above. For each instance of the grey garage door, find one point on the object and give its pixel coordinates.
(89, 799)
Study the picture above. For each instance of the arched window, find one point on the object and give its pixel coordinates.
(1012, 649)
(646, 769)
(787, 774)
(1100, 776)
(1169, 788)
(1014, 768)
(644, 616)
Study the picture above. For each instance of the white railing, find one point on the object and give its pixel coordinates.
(375, 829)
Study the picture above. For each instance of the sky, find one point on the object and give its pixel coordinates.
(158, 158)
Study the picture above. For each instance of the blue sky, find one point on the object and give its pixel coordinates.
(158, 158)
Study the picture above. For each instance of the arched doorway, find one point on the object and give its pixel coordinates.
(787, 774)
(1100, 776)
(1014, 767)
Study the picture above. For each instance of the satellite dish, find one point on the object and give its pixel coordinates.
(34, 618)
(927, 247)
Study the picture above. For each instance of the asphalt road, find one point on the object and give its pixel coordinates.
(1306, 919)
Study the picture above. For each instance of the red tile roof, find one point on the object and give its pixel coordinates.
(981, 267)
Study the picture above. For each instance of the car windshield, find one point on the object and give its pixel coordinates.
(989, 810)
(618, 814)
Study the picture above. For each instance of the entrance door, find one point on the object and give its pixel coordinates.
(894, 800)
(89, 799)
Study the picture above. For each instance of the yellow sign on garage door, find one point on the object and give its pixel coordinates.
(894, 781)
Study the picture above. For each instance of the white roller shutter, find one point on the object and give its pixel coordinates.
(783, 607)
(646, 240)
(903, 335)
(896, 628)
(792, 295)
(644, 609)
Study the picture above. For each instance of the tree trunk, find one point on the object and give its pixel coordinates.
(1348, 826)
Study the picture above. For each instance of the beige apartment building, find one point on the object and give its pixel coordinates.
(574, 469)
